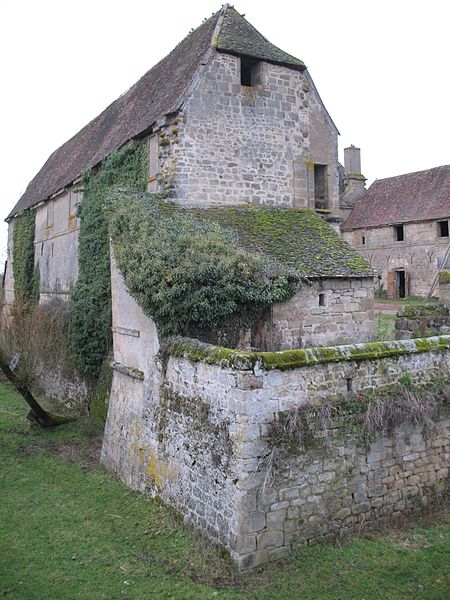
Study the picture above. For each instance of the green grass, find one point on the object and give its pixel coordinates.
(384, 327)
(409, 300)
(69, 530)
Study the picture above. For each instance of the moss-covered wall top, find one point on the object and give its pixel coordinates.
(292, 359)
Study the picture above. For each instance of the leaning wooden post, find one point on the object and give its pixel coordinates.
(38, 414)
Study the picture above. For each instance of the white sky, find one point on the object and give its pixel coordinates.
(381, 67)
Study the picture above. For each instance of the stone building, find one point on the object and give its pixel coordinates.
(401, 226)
(229, 119)
(237, 133)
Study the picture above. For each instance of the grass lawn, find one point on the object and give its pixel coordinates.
(409, 300)
(384, 326)
(69, 530)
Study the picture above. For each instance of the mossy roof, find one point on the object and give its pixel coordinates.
(298, 238)
(238, 36)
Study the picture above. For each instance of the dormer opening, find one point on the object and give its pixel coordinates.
(250, 72)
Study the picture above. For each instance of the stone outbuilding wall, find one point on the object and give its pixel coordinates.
(194, 425)
(330, 311)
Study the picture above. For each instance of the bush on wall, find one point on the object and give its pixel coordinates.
(23, 257)
(90, 315)
(189, 274)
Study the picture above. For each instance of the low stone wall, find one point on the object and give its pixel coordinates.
(196, 428)
(444, 288)
(419, 321)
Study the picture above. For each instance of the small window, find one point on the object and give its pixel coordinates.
(321, 299)
(250, 73)
(443, 228)
(363, 240)
(349, 384)
(399, 233)
(50, 212)
(320, 186)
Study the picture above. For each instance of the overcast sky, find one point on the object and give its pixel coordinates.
(381, 67)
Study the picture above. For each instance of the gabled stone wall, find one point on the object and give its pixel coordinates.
(239, 144)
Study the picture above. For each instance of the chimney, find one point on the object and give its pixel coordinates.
(352, 160)
(354, 182)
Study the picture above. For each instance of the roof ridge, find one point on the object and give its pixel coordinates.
(218, 27)
(411, 173)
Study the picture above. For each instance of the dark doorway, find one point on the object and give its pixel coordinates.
(400, 284)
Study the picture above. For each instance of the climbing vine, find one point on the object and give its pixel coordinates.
(189, 274)
(90, 315)
(23, 253)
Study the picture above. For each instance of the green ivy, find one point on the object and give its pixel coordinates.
(23, 253)
(90, 315)
(189, 274)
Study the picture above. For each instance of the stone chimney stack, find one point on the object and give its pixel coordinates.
(352, 160)
(354, 181)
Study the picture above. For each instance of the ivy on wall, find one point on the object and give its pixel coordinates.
(189, 274)
(90, 313)
(23, 257)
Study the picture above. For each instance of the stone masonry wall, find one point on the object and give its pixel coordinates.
(56, 245)
(345, 316)
(419, 255)
(337, 485)
(239, 144)
(192, 428)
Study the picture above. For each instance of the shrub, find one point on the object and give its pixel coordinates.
(40, 336)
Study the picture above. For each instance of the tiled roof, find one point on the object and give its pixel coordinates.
(298, 238)
(159, 92)
(420, 196)
(238, 36)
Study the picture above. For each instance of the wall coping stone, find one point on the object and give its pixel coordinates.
(198, 351)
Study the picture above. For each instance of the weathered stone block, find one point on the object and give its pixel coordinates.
(270, 539)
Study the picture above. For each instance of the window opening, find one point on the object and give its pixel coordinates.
(363, 239)
(250, 73)
(399, 233)
(321, 299)
(443, 228)
(320, 186)
(349, 384)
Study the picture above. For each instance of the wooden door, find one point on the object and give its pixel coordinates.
(391, 284)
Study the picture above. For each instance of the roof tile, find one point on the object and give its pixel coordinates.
(420, 196)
